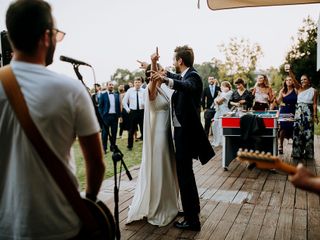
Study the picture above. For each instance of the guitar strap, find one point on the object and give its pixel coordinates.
(50, 160)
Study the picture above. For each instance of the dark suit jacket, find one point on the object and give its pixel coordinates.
(104, 105)
(186, 104)
(207, 98)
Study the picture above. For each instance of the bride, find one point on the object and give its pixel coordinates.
(156, 193)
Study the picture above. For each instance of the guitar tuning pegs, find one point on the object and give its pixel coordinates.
(251, 151)
(263, 152)
(240, 149)
(269, 154)
(245, 150)
(257, 152)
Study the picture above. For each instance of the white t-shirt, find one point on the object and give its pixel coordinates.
(31, 204)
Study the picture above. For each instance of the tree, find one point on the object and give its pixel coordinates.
(122, 76)
(303, 54)
(205, 70)
(240, 59)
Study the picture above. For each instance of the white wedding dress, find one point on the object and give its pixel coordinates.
(156, 193)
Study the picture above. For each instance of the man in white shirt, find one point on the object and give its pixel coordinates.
(32, 206)
(133, 103)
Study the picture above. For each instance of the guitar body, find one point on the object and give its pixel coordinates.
(104, 218)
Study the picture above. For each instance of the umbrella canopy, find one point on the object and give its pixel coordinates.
(226, 4)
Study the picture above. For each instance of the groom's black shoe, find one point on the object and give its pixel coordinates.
(180, 214)
(188, 225)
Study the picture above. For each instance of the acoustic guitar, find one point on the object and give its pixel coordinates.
(264, 160)
(104, 218)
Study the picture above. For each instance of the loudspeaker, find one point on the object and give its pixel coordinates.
(5, 47)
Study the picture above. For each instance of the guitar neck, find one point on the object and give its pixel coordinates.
(290, 169)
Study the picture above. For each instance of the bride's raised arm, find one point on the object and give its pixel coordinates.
(152, 86)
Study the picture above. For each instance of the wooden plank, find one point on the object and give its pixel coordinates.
(244, 214)
(236, 232)
(221, 230)
(299, 224)
(288, 197)
(264, 198)
(212, 221)
(301, 199)
(313, 200)
(269, 225)
(283, 231)
(257, 215)
(277, 194)
(252, 232)
(313, 223)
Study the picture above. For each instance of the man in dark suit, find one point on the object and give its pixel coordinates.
(95, 99)
(189, 136)
(209, 94)
(109, 108)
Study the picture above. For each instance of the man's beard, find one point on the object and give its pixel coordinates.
(50, 52)
(178, 70)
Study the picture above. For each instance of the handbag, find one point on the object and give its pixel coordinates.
(98, 222)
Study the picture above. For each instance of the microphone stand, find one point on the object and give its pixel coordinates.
(76, 70)
(116, 157)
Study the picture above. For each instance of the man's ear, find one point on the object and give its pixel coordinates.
(46, 38)
(180, 62)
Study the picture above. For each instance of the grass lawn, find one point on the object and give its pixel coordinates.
(131, 158)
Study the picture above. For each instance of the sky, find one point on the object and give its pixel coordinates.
(110, 34)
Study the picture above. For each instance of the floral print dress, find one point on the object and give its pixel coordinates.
(303, 128)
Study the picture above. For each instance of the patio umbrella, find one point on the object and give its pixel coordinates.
(227, 4)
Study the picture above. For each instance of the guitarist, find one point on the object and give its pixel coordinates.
(32, 206)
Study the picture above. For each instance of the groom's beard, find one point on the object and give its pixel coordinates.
(178, 70)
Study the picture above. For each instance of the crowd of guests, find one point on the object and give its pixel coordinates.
(119, 111)
(123, 109)
(296, 101)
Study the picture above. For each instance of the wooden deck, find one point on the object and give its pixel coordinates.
(236, 204)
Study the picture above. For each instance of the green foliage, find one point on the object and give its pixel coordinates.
(276, 79)
(240, 60)
(205, 70)
(122, 76)
(303, 54)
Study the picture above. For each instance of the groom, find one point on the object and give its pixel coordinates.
(190, 139)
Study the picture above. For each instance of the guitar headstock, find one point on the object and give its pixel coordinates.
(261, 160)
(264, 160)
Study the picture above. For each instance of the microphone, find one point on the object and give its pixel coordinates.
(73, 61)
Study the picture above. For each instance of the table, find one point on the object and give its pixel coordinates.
(232, 140)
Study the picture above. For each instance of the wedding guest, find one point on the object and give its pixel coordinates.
(241, 97)
(262, 93)
(221, 106)
(287, 100)
(133, 103)
(208, 95)
(305, 117)
(109, 108)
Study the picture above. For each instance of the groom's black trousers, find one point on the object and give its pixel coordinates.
(187, 183)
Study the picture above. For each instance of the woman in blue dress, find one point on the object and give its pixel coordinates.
(287, 100)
